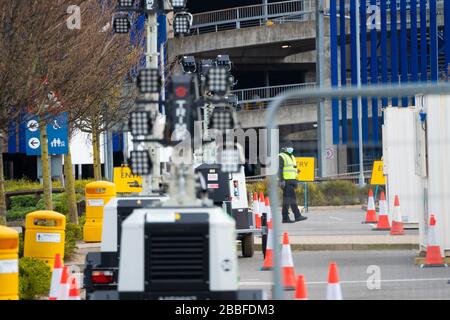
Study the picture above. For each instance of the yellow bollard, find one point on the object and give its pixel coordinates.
(98, 194)
(45, 236)
(9, 264)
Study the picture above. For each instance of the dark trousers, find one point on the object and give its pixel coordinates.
(290, 200)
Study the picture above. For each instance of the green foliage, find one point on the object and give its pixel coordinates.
(60, 203)
(24, 184)
(74, 233)
(80, 186)
(315, 195)
(18, 213)
(21, 235)
(34, 278)
(82, 220)
(23, 201)
(329, 193)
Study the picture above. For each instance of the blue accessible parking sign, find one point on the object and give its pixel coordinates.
(58, 135)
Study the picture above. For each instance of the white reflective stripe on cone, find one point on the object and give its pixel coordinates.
(286, 256)
(256, 207)
(371, 204)
(9, 266)
(432, 236)
(334, 291)
(55, 283)
(397, 214)
(269, 239)
(383, 208)
(64, 291)
(260, 208)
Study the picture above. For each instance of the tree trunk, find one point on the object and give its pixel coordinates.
(46, 174)
(2, 188)
(70, 188)
(96, 154)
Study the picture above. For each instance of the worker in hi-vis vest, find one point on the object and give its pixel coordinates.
(287, 176)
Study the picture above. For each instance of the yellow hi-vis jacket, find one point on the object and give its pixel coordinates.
(290, 167)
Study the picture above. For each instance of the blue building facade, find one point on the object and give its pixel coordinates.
(416, 50)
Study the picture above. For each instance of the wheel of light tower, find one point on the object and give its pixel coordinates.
(248, 245)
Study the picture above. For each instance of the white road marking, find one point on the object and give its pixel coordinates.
(249, 283)
(335, 218)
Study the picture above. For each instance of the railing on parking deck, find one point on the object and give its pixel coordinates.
(258, 15)
(252, 16)
(259, 98)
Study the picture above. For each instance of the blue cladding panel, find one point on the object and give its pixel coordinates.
(117, 142)
(423, 41)
(433, 41)
(334, 68)
(384, 53)
(374, 77)
(414, 43)
(363, 41)
(353, 12)
(342, 42)
(394, 49)
(414, 60)
(403, 47)
(447, 32)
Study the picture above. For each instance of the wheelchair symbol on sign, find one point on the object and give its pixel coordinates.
(56, 125)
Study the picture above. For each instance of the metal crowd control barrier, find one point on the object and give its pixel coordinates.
(375, 91)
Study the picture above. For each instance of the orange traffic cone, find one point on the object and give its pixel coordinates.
(397, 224)
(74, 291)
(268, 260)
(261, 207)
(64, 285)
(56, 277)
(334, 291)
(256, 211)
(269, 213)
(301, 293)
(288, 264)
(371, 215)
(383, 218)
(433, 257)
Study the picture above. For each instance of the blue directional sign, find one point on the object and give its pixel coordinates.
(57, 132)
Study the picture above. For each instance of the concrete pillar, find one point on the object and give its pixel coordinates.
(331, 150)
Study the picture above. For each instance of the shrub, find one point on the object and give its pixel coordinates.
(329, 193)
(34, 278)
(60, 203)
(21, 235)
(24, 184)
(74, 233)
(80, 186)
(23, 201)
(315, 195)
(82, 220)
(18, 213)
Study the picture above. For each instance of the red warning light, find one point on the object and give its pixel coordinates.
(181, 92)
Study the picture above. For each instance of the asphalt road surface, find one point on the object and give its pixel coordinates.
(400, 278)
(334, 221)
